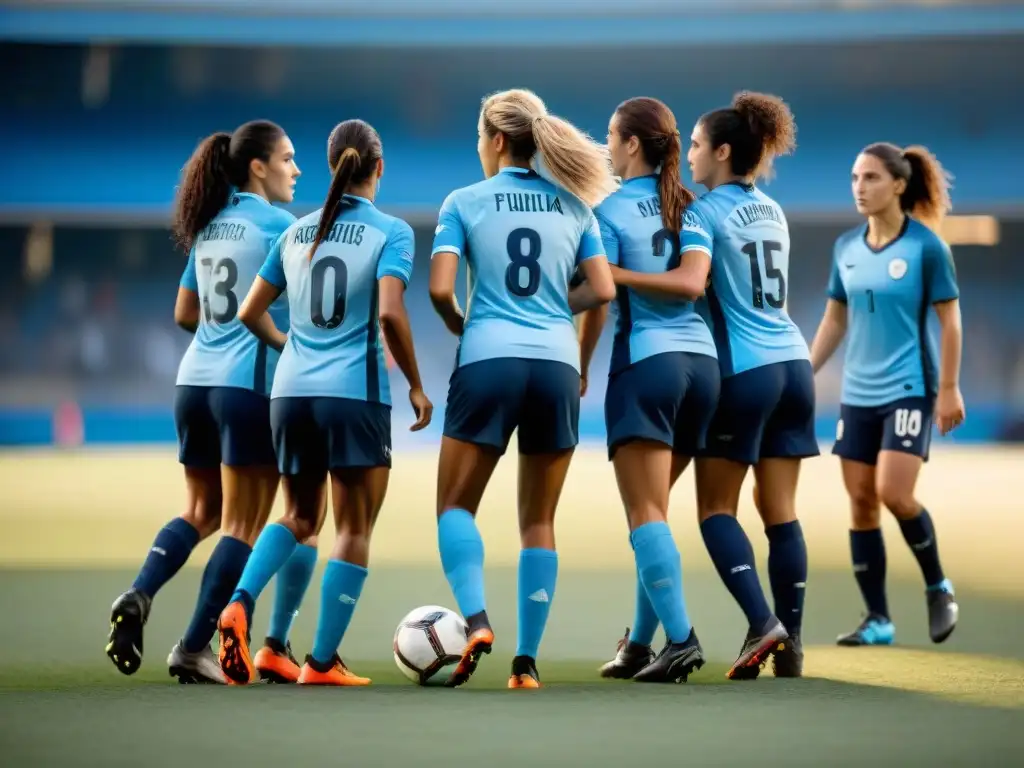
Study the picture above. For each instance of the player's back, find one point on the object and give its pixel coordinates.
(225, 259)
(522, 237)
(334, 347)
(636, 239)
(747, 237)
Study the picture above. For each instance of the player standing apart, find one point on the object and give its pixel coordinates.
(345, 268)
(663, 381)
(765, 415)
(886, 275)
(517, 366)
(225, 220)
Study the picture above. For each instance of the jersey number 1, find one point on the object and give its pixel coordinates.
(523, 247)
(336, 301)
(775, 300)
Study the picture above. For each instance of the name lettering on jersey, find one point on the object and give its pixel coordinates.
(649, 207)
(755, 212)
(224, 230)
(346, 234)
(527, 202)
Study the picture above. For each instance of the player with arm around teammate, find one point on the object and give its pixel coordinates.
(765, 414)
(346, 268)
(885, 277)
(663, 381)
(517, 365)
(225, 219)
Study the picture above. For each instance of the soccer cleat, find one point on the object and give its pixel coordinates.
(629, 659)
(675, 663)
(480, 641)
(757, 647)
(275, 663)
(332, 673)
(199, 667)
(943, 611)
(524, 673)
(874, 630)
(235, 658)
(789, 661)
(128, 616)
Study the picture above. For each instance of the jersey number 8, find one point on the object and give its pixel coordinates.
(523, 247)
(336, 301)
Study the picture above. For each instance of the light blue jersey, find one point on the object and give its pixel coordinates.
(889, 354)
(523, 238)
(745, 234)
(334, 347)
(222, 266)
(635, 239)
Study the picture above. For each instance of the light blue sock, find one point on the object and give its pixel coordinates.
(272, 550)
(292, 582)
(342, 584)
(658, 562)
(462, 557)
(538, 573)
(645, 620)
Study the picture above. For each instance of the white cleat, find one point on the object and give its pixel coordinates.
(200, 667)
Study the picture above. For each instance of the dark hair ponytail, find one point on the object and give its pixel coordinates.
(353, 151)
(654, 126)
(758, 127)
(926, 196)
(220, 163)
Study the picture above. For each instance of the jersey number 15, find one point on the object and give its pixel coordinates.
(760, 296)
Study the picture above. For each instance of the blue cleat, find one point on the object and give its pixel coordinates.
(943, 611)
(874, 630)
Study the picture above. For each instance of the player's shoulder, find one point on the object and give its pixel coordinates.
(276, 219)
(850, 237)
(926, 237)
(612, 205)
(466, 195)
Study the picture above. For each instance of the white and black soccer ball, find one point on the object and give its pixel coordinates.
(428, 644)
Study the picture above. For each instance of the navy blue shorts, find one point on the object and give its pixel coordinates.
(315, 434)
(765, 413)
(669, 398)
(489, 399)
(904, 426)
(222, 425)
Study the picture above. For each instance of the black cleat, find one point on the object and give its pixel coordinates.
(524, 673)
(789, 662)
(943, 611)
(757, 647)
(127, 618)
(629, 659)
(675, 663)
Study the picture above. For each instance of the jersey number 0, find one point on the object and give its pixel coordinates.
(330, 313)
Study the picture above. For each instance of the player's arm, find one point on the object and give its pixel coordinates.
(598, 286)
(449, 246)
(687, 281)
(943, 293)
(829, 335)
(266, 288)
(393, 276)
(187, 306)
(591, 324)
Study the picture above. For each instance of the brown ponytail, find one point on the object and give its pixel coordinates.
(758, 127)
(926, 196)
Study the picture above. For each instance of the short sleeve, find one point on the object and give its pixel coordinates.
(591, 244)
(836, 289)
(396, 258)
(450, 234)
(610, 239)
(273, 269)
(939, 272)
(698, 231)
(188, 277)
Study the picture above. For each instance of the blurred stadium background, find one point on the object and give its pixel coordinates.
(104, 100)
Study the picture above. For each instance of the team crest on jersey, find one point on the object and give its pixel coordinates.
(897, 269)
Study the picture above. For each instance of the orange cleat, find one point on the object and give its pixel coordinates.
(480, 642)
(523, 681)
(524, 673)
(235, 659)
(336, 674)
(276, 664)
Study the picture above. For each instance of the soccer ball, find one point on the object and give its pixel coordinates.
(428, 644)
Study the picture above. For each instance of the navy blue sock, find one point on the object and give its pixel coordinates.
(867, 549)
(733, 556)
(787, 572)
(919, 533)
(169, 552)
(219, 579)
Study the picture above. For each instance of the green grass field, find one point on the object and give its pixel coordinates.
(63, 704)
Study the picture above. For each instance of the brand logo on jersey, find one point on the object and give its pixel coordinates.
(897, 269)
(840, 427)
(440, 228)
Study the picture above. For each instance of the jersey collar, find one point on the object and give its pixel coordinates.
(358, 199)
(518, 171)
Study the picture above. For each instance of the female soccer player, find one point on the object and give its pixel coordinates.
(885, 276)
(226, 221)
(663, 381)
(523, 232)
(346, 268)
(765, 415)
